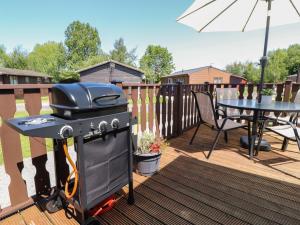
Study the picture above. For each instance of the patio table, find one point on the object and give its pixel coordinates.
(258, 109)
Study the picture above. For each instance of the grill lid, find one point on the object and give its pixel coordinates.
(86, 96)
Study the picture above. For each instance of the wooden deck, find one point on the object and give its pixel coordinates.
(189, 189)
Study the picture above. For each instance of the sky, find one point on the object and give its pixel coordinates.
(140, 22)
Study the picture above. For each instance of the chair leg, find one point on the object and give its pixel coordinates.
(191, 141)
(285, 144)
(226, 136)
(298, 143)
(214, 144)
(249, 136)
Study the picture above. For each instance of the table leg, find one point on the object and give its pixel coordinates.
(254, 133)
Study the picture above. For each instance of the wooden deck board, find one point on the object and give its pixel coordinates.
(60, 218)
(160, 213)
(34, 216)
(189, 189)
(222, 178)
(222, 200)
(115, 217)
(136, 214)
(173, 206)
(15, 219)
(194, 204)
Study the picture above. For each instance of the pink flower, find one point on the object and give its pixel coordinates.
(155, 148)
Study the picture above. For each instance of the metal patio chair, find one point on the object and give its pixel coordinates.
(226, 94)
(231, 93)
(287, 128)
(208, 116)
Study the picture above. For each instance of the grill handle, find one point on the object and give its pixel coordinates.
(98, 100)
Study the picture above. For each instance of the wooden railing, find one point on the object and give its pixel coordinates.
(167, 110)
(13, 163)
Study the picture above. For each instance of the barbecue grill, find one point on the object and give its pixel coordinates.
(96, 117)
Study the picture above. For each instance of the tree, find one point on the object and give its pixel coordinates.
(293, 62)
(120, 53)
(156, 63)
(49, 58)
(82, 41)
(276, 69)
(281, 63)
(3, 56)
(18, 59)
(237, 68)
(101, 57)
(248, 70)
(67, 76)
(252, 72)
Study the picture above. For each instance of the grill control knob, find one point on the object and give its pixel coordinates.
(102, 126)
(115, 123)
(66, 131)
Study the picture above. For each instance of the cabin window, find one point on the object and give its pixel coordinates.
(218, 80)
(27, 80)
(13, 79)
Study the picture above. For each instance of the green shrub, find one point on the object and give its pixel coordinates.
(267, 92)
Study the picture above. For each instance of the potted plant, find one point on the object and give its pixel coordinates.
(266, 96)
(147, 156)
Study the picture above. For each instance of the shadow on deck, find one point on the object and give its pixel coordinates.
(189, 189)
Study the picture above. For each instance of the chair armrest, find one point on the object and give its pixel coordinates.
(286, 122)
(293, 126)
(221, 112)
(225, 120)
(293, 118)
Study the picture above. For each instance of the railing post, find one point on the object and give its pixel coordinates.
(250, 91)
(298, 76)
(287, 91)
(118, 83)
(279, 91)
(241, 91)
(178, 110)
(206, 85)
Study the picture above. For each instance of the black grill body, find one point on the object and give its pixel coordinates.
(81, 100)
(96, 116)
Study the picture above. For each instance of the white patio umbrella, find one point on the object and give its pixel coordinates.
(241, 15)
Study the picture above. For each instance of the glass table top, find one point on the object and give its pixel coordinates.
(254, 105)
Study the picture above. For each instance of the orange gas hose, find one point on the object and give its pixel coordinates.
(74, 171)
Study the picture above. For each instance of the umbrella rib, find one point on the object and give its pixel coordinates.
(195, 10)
(250, 16)
(295, 7)
(231, 4)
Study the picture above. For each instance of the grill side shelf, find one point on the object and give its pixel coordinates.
(52, 128)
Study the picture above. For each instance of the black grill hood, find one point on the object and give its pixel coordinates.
(81, 100)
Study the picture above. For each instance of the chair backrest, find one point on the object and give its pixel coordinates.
(297, 97)
(226, 93)
(205, 107)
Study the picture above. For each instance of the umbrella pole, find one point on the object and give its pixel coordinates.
(264, 59)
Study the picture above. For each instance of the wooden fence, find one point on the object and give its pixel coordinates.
(168, 110)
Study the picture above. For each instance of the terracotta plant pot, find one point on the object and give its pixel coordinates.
(147, 164)
(266, 99)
